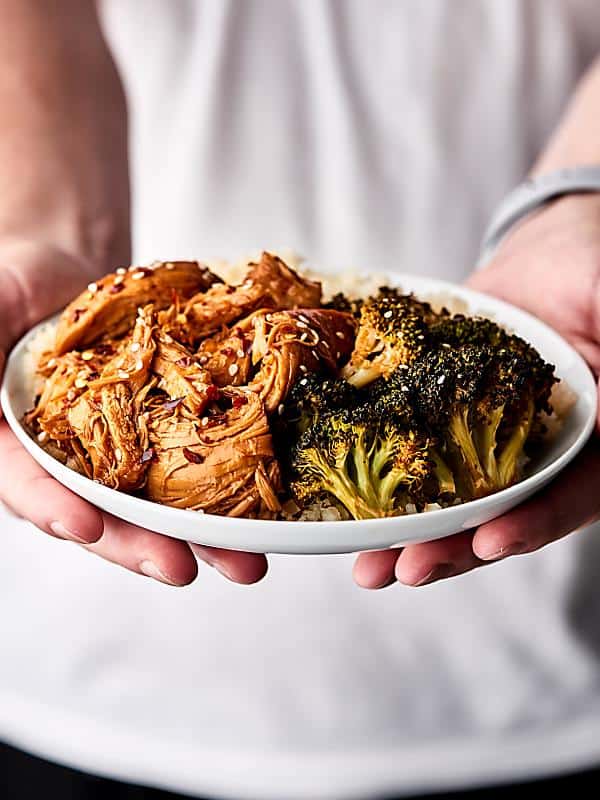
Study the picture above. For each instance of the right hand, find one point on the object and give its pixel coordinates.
(35, 282)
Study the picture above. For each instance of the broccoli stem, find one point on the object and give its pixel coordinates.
(486, 444)
(461, 435)
(443, 473)
(388, 485)
(361, 458)
(508, 462)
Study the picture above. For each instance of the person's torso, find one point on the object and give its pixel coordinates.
(378, 135)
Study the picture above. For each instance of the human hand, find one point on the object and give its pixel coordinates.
(550, 266)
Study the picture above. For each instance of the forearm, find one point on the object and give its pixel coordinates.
(576, 140)
(63, 131)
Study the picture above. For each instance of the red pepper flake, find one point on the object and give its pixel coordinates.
(192, 457)
(213, 393)
(227, 351)
(239, 400)
(171, 405)
(77, 312)
(148, 456)
(185, 361)
(116, 288)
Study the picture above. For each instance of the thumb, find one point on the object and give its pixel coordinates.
(35, 282)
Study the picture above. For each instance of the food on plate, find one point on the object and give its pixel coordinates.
(263, 399)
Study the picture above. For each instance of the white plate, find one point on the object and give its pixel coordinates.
(341, 536)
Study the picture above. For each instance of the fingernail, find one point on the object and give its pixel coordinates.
(439, 572)
(150, 569)
(512, 549)
(206, 556)
(58, 529)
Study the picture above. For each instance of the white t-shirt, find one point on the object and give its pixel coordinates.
(378, 134)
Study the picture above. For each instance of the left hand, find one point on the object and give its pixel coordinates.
(550, 266)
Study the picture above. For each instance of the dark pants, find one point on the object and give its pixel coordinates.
(24, 777)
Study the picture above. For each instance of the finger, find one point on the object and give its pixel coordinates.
(238, 567)
(152, 554)
(35, 282)
(570, 502)
(420, 564)
(2, 363)
(375, 569)
(31, 493)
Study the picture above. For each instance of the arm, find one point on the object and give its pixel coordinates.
(63, 151)
(556, 249)
(64, 220)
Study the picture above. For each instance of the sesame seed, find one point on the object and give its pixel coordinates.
(420, 336)
(268, 317)
(203, 359)
(240, 353)
(280, 409)
(133, 269)
(121, 271)
(51, 363)
(304, 337)
(338, 354)
(135, 347)
(248, 284)
(405, 388)
(204, 421)
(87, 355)
(303, 318)
(71, 395)
(233, 369)
(139, 365)
(388, 314)
(304, 381)
(169, 265)
(137, 276)
(339, 334)
(82, 373)
(80, 383)
(119, 454)
(41, 437)
(441, 379)
(92, 287)
(118, 280)
(301, 324)
(303, 368)
(168, 339)
(123, 374)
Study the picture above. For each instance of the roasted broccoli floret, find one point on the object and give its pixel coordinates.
(393, 329)
(340, 302)
(372, 463)
(312, 396)
(483, 400)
